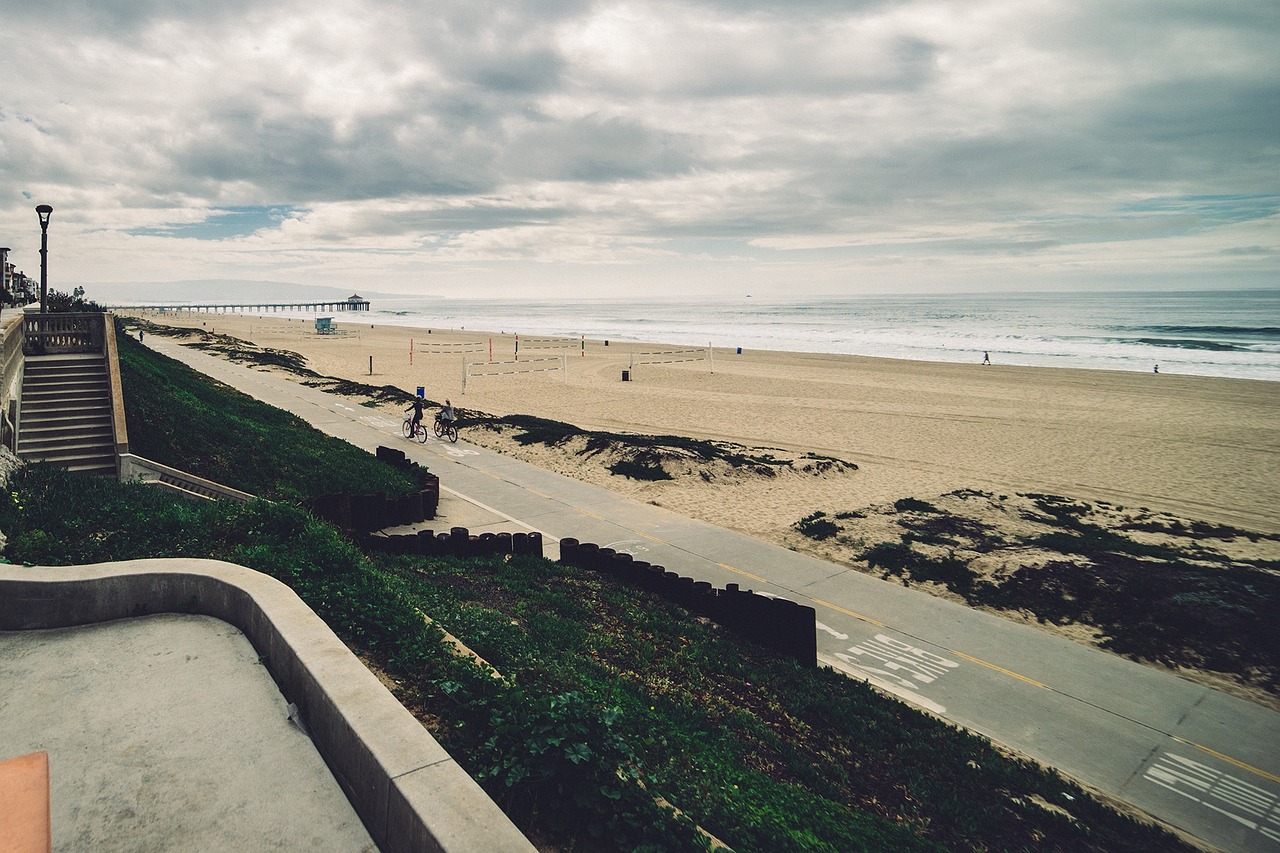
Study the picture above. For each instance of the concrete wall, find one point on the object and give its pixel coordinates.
(409, 792)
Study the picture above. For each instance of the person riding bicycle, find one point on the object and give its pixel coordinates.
(446, 416)
(416, 408)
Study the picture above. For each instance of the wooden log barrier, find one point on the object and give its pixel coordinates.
(780, 624)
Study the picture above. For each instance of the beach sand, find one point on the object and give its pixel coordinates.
(1201, 448)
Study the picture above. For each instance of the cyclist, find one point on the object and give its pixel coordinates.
(416, 408)
(447, 416)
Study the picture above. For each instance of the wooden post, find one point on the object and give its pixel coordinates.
(370, 365)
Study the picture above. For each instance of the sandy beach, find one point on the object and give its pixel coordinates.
(1201, 448)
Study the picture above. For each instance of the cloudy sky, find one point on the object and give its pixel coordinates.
(610, 148)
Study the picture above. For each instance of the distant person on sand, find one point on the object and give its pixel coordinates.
(140, 334)
(1157, 370)
(986, 358)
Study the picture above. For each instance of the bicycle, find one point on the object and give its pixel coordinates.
(446, 428)
(412, 430)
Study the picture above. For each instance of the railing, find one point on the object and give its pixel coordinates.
(118, 428)
(137, 469)
(54, 334)
(10, 379)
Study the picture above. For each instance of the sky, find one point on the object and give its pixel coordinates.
(624, 149)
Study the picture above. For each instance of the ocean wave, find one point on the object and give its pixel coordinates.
(1265, 332)
(1193, 343)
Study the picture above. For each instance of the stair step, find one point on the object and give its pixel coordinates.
(58, 395)
(89, 457)
(71, 410)
(68, 433)
(44, 451)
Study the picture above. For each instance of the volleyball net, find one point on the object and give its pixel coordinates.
(672, 356)
(540, 364)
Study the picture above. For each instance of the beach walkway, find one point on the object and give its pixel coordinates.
(1203, 761)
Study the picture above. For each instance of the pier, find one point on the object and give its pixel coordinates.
(351, 303)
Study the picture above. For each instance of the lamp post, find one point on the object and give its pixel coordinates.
(4, 275)
(43, 212)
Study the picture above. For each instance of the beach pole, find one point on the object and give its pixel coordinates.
(464, 374)
(491, 349)
(411, 352)
(711, 360)
(517, 346)
(370, 365)
(584, 346)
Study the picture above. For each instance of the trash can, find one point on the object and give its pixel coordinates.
(626, 376)
(739, 350)
(422, 392)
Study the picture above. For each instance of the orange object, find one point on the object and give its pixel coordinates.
(24, 797)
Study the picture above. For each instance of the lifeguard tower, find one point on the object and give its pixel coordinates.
(324, 326)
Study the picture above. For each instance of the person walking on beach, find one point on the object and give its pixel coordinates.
(986, 357)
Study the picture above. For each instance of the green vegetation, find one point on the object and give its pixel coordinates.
(817, 526)
(913, 505)
(608, 699)
(183, 418)
(74, 302)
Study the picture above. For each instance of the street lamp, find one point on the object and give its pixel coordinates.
(43, 212)
(4, 274)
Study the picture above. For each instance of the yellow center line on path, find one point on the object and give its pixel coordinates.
(1254, 770)
(840, 609)
(741, 572)
(1000, 669)
(654, 538)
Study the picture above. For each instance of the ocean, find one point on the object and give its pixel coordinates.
(1204, 333)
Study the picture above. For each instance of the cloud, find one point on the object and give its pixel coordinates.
(809, 138)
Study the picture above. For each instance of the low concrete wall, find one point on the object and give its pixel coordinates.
(409, 792)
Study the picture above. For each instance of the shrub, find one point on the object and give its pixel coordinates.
(817, 526)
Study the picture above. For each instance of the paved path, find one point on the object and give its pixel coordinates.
(1201, 760)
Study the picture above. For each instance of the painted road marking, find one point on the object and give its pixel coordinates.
(378, 423)
(1244, 803)
(741, 572)
(832, 631)
(887, 686)
(1270, 777)
(999, 669)
(897, 662)
(628, 546)
(840, 609)
(547, 537)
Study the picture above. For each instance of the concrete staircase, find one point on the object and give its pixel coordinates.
(66, 416)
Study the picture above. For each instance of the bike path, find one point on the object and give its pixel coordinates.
(1196, 758)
